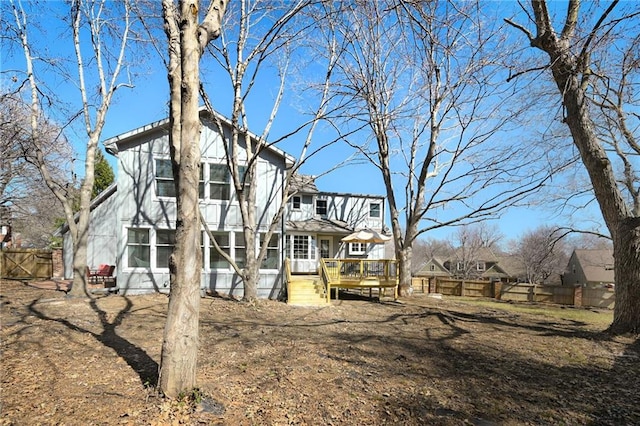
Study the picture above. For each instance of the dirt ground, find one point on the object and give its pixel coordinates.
(419, 361)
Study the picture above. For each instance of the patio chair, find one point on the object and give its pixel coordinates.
(101, 274)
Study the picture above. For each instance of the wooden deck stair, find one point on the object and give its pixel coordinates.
(306, 291)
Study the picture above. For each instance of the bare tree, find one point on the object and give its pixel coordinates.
(97, 67)
(246, 52)
(543, 252)
(424, 249)
(593, 60)
(25, 201)
(421, 83)
(187, 39)
(474, 243)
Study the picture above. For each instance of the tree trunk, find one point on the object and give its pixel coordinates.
(252, 268)
(626, 253)
(81, 236)
(180, 344)
(570, 76)
(80, 241)
(404, 271)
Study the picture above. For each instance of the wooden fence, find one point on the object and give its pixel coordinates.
(26, 264)
(520, 292)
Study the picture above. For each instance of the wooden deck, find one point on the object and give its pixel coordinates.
(338, 274)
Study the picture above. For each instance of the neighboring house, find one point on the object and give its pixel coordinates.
(590, 268)
(484, 264)
(433, 267)
(133, 221)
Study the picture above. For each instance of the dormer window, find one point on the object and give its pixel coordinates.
(481, 266)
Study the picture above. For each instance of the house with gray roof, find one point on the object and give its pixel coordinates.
(133, 222)
(590, 268)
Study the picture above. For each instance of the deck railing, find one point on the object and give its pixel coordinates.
(338, 272)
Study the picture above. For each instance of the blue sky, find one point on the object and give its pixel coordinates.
(147, 102)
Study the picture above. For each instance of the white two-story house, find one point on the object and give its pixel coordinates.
(133, 221)
(317, 221)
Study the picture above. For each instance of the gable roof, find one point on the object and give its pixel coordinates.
(111, 144)
(303, 184)
(99, 199)
(596, 264)
(480, 254)
(440, 269)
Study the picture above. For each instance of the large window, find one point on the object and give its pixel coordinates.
(301, 247)
(165, 240)
(216, 261)
(219, 182)
(374, 210)
(271, 259)
(138, 248)
(165, 186)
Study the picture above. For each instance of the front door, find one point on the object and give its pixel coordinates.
(325, 248)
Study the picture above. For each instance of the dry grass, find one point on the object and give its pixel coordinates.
(422, 361)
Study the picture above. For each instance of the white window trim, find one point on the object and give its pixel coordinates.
(376, 203)
(278, 238)
(152, 250)
(293, 203)
(361, 250)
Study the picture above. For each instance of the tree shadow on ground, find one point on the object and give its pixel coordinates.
(134, 356)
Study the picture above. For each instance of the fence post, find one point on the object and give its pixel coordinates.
(462, 288)
(577, 295)
(58, 263)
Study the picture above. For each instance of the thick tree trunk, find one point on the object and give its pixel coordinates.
(81, 238)
(404, 271)
(626, 253)
(252, 268)
(570, 77)
(180, 344)
(80, 241)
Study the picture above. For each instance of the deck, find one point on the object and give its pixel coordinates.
(380, 274)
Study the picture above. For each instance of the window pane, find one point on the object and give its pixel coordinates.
(138, 256)
(138, 236)
(165, 188)
(219, 191)
(240, 250)
(138, 249)
(271, 259)
(165, 240)
(321, 207)
(165, 237)
(296, 202)
(218, 173)
(215, 258)
(162, 256)
(374, 210)
(300, 247)
(163, 169)
(201, 183)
